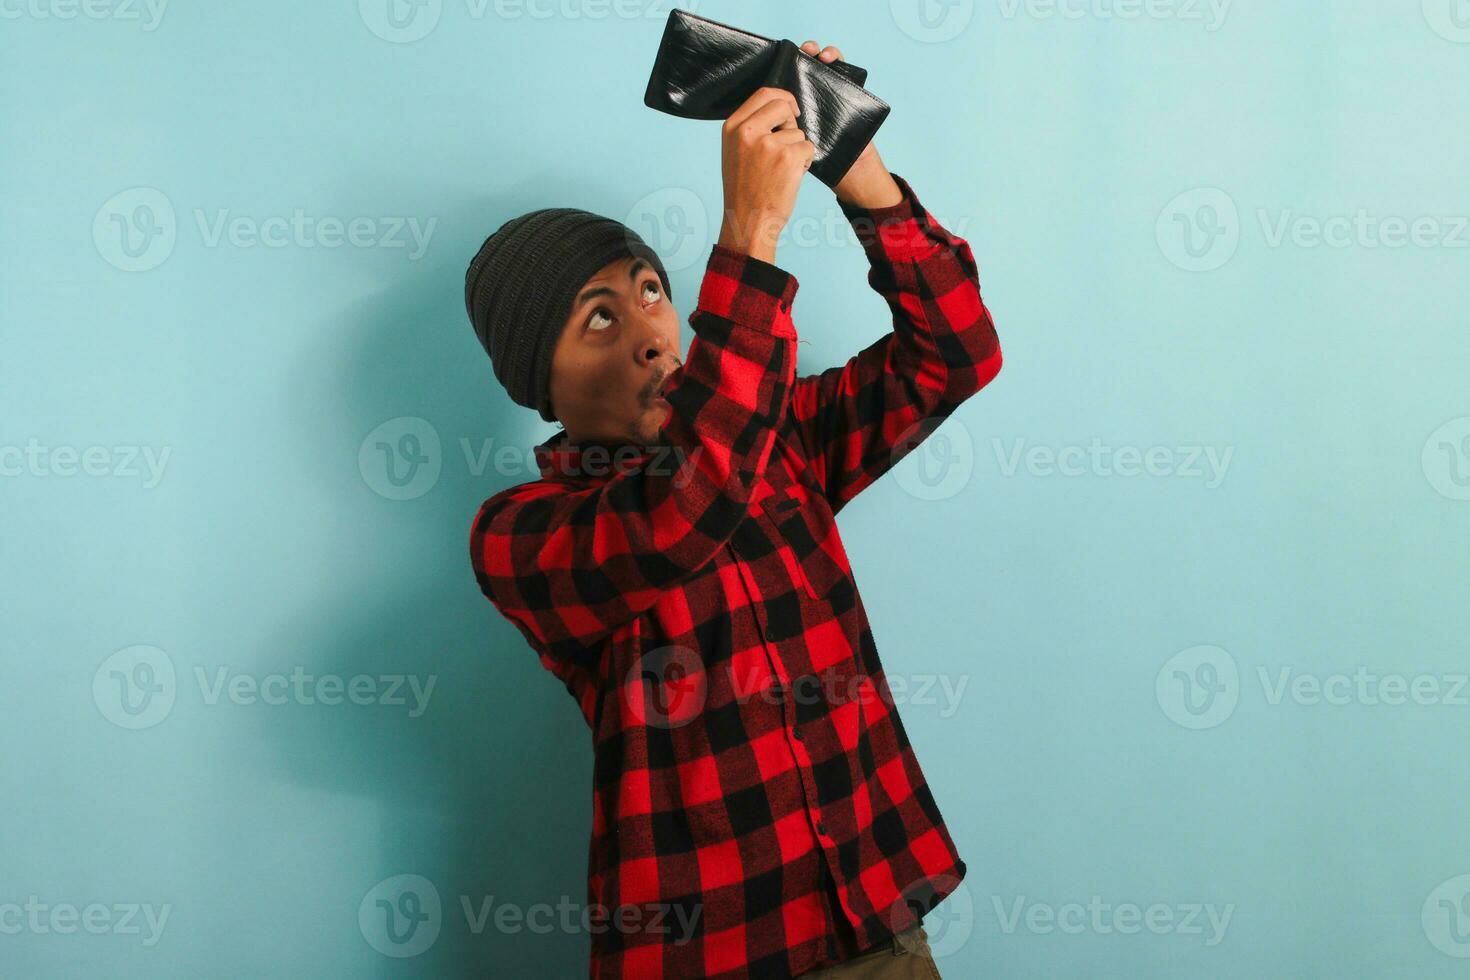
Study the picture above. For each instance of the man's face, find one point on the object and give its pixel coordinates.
(614, 352)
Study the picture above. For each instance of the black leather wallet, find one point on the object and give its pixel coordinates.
(705, 70)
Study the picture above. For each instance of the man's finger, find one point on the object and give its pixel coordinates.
(758, 100)
(787, 136)
(828, 54)
(773, 115)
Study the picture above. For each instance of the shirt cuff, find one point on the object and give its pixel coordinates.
(748, 291)
(897, 232)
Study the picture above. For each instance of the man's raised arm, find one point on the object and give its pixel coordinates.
(568, 564)
(857, 420)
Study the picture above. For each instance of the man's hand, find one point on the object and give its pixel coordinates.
(764, 156)
(867, 184)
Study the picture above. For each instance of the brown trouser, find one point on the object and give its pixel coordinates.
(905, 958)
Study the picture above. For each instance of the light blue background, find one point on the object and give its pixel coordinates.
(1059, 146)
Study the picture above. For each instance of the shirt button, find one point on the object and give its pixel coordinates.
(821, 828)
(796, 734)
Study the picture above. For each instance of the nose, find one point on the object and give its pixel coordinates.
(650, 345)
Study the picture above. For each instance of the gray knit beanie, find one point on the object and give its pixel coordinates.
(520, 286)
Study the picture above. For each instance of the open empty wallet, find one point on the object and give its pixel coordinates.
(705, 70)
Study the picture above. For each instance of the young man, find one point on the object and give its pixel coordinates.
(757, 808)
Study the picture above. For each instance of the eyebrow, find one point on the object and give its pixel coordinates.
(639, 265)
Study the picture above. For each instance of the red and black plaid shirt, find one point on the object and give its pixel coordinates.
(752, 778)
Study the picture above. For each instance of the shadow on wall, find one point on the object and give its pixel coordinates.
(487, 793)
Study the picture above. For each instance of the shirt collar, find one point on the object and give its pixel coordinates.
(588, 459)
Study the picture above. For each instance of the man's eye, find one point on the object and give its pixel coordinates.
(599, 314)
(651, 285)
